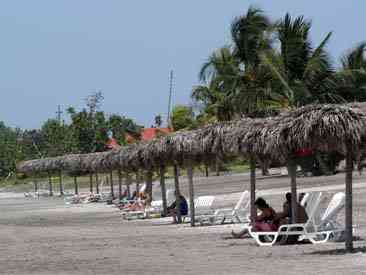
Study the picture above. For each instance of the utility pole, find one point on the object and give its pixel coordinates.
(59, 113)
(170, 97)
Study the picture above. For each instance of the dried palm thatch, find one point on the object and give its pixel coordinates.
(320, 127)
(327, 128)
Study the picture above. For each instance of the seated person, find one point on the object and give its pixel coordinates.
(137, 205)
(172, 209)
(263, 222)
(285, 217)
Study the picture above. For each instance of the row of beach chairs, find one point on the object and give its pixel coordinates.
(321, 226)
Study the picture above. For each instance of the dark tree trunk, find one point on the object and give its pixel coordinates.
(91, 183)
(61, 184)
(206, 170)
(138, 181)
(76, 185)
(97, 182)
(265, 167)
(35, 186)
(217, 165)
(50, 187)
(112, 184)
(120, 184)
(149, 176)
(128, 185)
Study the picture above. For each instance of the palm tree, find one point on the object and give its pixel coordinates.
(351, 79)
(306, 74)
(219, 75)
(252, 35)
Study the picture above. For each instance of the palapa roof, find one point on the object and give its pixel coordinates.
(320, 127)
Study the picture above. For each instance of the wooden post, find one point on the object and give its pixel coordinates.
(76, 185)
(61, 184)
(217, 165)
(91, 182)
(292, 172)
(348, 203)
(253, 209)
(148, 189)
(191, 192)
(97, 182)
(50, 185)
(112, 189)
(35, 186)
(120, 184)
(163, 189)
(128, 185)
(138, 180)
(177, 192)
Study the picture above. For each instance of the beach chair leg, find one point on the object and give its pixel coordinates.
(321, 237)
(266, 239)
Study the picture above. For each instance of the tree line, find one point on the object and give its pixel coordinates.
(88, 131)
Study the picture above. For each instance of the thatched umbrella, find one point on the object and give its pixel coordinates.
(326, 128)
(320, 127)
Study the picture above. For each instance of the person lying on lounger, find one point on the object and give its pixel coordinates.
(172, 209)
(263, 222)
(137, 205)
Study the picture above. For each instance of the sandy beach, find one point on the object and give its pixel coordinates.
(45, 236)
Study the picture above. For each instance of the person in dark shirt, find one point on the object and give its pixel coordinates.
(172, 209)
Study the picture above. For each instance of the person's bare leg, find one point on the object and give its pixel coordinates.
(174, 216)
(239, 234)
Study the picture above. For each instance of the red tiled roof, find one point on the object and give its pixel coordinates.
(150, 133)
(113, 144)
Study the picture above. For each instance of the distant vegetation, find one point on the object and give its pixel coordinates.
(88, 132)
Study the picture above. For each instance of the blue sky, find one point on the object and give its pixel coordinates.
(58, 52)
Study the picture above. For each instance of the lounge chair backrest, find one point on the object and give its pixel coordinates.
(170, 197)
(335, 206)
(243, 201)
(312, 203)
(312, 207)
(305, 199)
(203, 204)
(313, 210)
(142, 188)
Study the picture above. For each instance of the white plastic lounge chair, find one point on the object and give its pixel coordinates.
(304, 229)
(328, 226)
(305, 199)
(240, 212)
(202, 207)
(157, 206)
